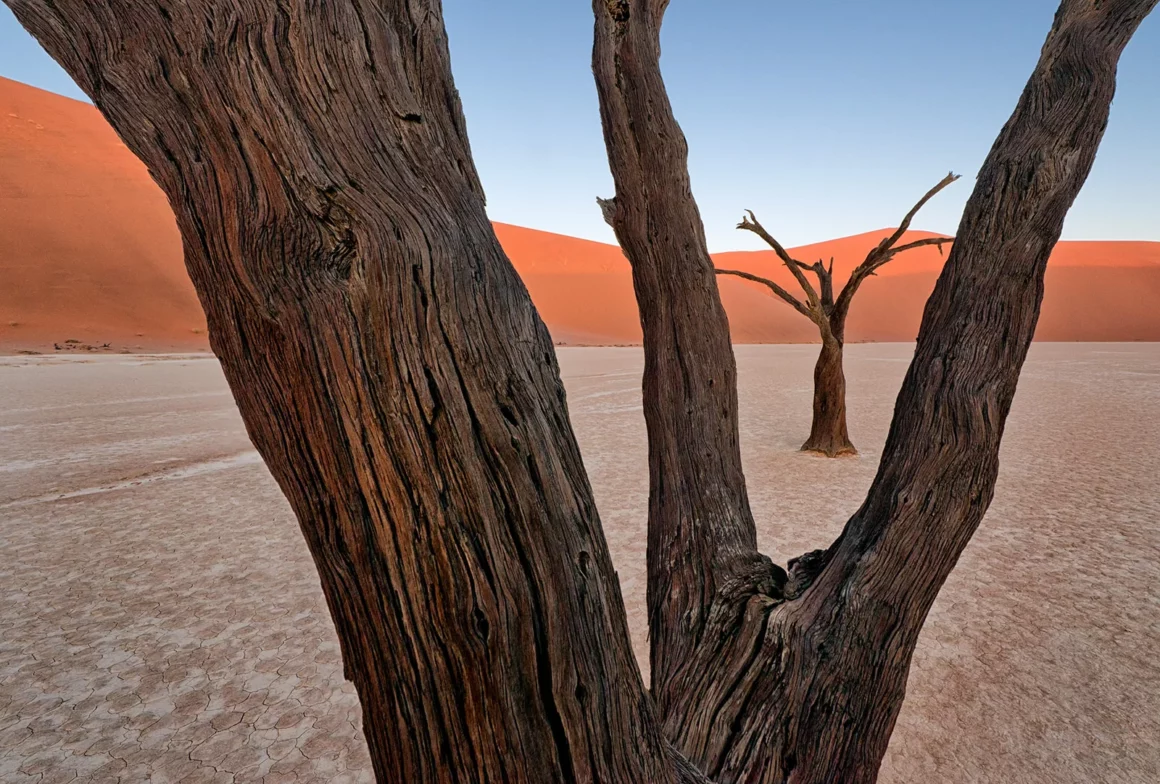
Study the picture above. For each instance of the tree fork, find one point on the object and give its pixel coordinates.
(801, 681)
(391, 370)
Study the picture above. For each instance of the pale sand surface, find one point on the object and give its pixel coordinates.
(160, 618)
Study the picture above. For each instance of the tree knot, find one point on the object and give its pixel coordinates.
(752, 574)
(803, 570)
(336, 224)
(618, 10)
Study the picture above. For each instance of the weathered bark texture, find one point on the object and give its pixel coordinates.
(937, 475)
(393, 373)
(801, 681)
(828, 434)
(390, 369)
(701, 534)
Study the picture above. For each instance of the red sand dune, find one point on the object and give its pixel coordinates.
(1103, 291)
(89, 252)
(1094, 291)
(89, 249)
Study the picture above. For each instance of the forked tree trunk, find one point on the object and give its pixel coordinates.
(802, 681)
(391, 370)
(828, 434)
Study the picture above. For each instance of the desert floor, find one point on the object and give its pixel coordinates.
(160, 618)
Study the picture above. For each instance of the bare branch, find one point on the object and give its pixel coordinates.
(826, 281)
(790, 299)
(750, 223)
(903, 227)
(939, 241)
(872, 268)
(885, 250)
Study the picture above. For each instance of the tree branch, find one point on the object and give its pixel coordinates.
(865, 270)
(790, 299)
(701, 532)
(940, 463)
(826, 281)
(750, 223)
(885, 251)
(903, 227)
(939, 241)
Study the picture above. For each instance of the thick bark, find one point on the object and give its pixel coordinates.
(389, 367)
(701, 535)
(803, 684)
(939, 466)
(828, 434)
(393, 373)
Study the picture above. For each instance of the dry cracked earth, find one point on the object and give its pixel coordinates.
(161, 620)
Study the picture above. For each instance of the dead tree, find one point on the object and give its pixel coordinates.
(394, 375)
(828, 433)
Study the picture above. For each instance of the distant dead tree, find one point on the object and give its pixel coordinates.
(403, 391)
(828, 433)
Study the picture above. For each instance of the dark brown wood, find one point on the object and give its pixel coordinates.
(844, 645)
(802, 681)
(828, 432)
(701, 534)
(390, 369)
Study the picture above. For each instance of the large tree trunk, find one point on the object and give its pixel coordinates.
(701, 534)
(828, 434)
(389, 367)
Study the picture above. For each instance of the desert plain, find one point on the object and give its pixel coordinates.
(161, 619)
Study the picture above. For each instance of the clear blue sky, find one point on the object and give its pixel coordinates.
(827, 118)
